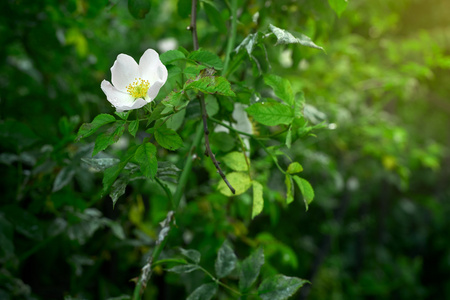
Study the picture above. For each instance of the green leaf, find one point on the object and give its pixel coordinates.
(133, 127)
(271, 113)
(156, 113)
(182, 269)
(118, 189)
(281, 87)
(110, 175)
(146, 157)
(168, 138)
(211, 85)
(109, 137)
(171, 56)
(222, 140)
(207, 58)
(123, 114)
(193, 71)
(294, 167)
(298, 104)
(236, 161)
(249, 42)
(167, 171)
(63, 178)
(240, 181)
(204, 292)
(139, 8)
(175, 100)
(280, 287)
(116, 228)
(285, 37)
(250, 270)
(306, 189)
(176, 120)
(88, 129)
(212, 105)
(258, 201)
(338, 6)
(100, 164)
(289, 189)
(226, 260)
(192, 254)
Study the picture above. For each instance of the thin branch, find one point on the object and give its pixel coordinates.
(193, 26)
(184, 177)
(193, 29)
(208, 148)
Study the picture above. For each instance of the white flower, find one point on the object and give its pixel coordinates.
(133, 85)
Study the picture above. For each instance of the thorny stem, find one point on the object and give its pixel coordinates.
(162, 240)
(193, 28)
(208, 148)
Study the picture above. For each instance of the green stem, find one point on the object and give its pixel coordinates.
(187, 168)
(271, 156)
(219, 282)
(231, 40)
(175, 201)
(230, 127)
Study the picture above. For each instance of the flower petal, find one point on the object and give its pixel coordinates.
(138, 103)
(124, 71)
(154, 88)
(152, 69)
(120, 100)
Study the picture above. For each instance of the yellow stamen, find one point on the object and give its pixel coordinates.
(138, 88)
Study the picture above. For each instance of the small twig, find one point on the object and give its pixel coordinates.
(193, 28)
(208, 148)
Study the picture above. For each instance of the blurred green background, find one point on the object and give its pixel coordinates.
(378, 227)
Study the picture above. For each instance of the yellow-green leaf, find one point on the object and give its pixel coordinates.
(236, 161)
(306, 189)
(240, 181)
(258, 201)
(289, 190)
(294, 167)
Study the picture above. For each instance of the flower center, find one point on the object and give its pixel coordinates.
(138, 88)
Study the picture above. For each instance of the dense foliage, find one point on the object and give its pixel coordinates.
(329, 120)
